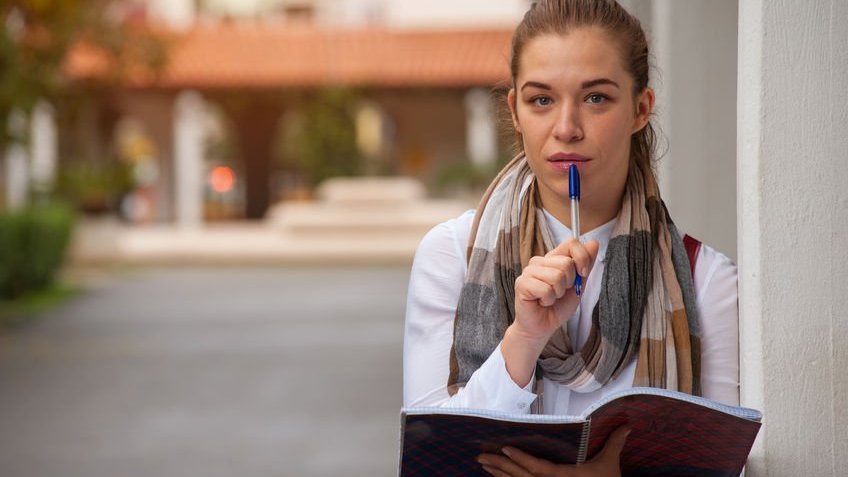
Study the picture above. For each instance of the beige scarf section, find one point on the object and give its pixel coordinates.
(646, 306)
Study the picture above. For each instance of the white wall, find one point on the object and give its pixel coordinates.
(793, 224)
(695, 47)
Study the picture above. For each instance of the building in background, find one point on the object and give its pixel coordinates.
(244, 79)
(419, 81)
(347, 13)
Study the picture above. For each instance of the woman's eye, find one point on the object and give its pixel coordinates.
(541, 101)
(596, 98)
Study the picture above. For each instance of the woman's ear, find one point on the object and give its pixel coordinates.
(510, 99)
(644, 109)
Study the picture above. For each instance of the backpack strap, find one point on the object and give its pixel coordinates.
(693, 246)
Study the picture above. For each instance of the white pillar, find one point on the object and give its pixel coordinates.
(793, 224)
(481, 128)
(17, 163)
(44, 147)
(188, 158)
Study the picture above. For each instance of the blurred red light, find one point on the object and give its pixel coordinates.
(222, 179)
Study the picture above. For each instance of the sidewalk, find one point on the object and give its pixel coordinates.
(209, 372)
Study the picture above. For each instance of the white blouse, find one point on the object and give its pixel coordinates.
(437, 277)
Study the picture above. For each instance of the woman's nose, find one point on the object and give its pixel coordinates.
(568, 127)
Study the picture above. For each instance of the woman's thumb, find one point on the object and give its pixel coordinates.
(615, 443)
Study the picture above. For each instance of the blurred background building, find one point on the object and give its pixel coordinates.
(256, 103)
(260, 101)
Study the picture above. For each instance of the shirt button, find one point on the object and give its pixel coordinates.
(522, 405)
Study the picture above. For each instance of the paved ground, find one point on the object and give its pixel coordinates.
(209, 372)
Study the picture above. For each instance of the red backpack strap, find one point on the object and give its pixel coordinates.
(693, 246)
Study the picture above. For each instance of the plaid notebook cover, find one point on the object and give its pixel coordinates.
(676, 438)
(443, 444)
(674, 434)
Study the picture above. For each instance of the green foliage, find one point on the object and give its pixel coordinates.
(32, 247)
(321, 140)
(464, 175)
(36, 36)
(12, 258)
(94, 186)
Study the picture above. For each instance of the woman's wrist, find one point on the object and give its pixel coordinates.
(520, 351)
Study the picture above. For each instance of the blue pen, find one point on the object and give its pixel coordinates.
(574, 194)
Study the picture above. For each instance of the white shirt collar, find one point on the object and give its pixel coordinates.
(602, 234)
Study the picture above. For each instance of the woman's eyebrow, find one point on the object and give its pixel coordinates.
(584, 85)
(536, 84)
(596, 82)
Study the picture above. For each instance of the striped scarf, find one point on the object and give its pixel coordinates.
(646, 305)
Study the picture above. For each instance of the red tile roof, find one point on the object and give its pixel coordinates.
(231, 55)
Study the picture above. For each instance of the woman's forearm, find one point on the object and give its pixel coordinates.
(520, 352)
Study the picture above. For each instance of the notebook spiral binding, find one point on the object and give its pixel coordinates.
(584, 443)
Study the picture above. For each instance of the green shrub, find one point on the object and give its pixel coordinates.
(94, 186)
(12, 255)
(464, 174)
(32, 247)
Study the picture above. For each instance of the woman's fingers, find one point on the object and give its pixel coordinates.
(534, 465)
(611, 452)
(557, 272)
(502, 466)
(495, 472)
(528, 287)
(583, 254)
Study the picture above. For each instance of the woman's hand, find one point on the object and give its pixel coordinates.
(544, 300)
(519, 464)
(544, 293)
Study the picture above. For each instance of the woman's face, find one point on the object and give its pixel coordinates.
(573, 103)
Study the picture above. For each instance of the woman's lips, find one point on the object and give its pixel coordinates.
(562, 160)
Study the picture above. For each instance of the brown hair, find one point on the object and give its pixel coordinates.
(563, 16)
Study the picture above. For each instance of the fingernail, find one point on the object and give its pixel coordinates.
(483, 460)
(488, 469)
(506, 452)
(584, 272)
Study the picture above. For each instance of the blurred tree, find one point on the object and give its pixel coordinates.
(320, 141)
(37, 35)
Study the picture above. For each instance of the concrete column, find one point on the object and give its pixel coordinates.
(793, 231)
(44, 146)
(370, 128)
(188, 159)
(695, 49)
(481, 128)
(17, 163)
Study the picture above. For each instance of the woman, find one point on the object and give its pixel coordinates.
(500, 326)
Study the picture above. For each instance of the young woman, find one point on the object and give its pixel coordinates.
(493, 320)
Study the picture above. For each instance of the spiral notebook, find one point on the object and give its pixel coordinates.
(673, 434)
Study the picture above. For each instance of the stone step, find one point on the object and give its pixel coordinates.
(364, 206)
(300, 219)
